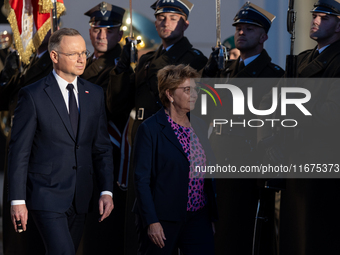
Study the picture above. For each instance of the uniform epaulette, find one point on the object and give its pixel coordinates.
(196, 52)
(276, 68)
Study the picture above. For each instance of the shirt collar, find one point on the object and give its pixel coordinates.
(63, 84)
(249, 60)
(168, 48)
(323, 48)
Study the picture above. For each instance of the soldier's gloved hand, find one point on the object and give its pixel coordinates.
(211, 68)
(10, 67)
(274, 155)
(124, 62)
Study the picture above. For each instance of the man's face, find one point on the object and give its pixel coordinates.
(248, 36)
(170, 26)
(66, 67)
(323, 26)
(104, 39)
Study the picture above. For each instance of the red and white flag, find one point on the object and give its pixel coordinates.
(30, 21)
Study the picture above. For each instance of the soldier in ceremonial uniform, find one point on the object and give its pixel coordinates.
(309, 217)
(105, 34)
(237, 199)
(40, 66)
(171, 23)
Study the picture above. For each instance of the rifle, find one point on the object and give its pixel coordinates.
(134, 42)
(291, 59)
(222, 54)
(279, 137)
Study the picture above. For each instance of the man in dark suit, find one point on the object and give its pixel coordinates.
(59, 139)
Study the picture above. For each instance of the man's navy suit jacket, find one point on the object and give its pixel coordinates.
(161, 171)
(48, 166)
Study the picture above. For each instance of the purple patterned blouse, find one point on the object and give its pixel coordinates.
(196, 157)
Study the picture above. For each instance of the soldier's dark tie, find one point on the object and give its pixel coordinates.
(73, 109)
(241, 66)
(163, 51)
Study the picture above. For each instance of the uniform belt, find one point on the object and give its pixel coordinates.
(142, 114)
(221, 129)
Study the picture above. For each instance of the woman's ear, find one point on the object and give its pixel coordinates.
(169, 95)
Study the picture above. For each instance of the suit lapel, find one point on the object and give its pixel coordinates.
(168, 131)
(84, 103)
(53, 91)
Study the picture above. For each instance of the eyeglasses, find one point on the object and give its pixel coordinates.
(76, 55)
(188, 90)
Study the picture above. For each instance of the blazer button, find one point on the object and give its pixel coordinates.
(74, 168)
(77, 147)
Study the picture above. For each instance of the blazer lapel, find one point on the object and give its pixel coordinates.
(84, 103)
(53, 91)
(168, 131)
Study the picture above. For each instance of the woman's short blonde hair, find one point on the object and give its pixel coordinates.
(170, 77)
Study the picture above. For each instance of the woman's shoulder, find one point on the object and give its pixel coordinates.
(155, 120)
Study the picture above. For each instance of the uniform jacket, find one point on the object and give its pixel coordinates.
(99, 71)
(36, 70)
(240, 137)
(162, 171)
(146, 72)
(261, 67)
(48, 165)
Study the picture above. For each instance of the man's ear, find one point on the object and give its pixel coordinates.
(263, 37)
(121, 32)
(54, 56)
(185, 25)
(337, 28)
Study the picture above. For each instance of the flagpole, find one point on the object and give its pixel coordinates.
(54, 17)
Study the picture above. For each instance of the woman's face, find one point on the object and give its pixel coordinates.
(184, 96)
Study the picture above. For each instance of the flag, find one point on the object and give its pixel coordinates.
(30, 21)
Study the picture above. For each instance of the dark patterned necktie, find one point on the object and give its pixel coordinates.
(163, 52)
(73, 109)
(315, 54)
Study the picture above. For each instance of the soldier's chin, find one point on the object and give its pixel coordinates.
(313, 36)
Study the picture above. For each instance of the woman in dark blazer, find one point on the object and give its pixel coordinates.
(175, 205)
